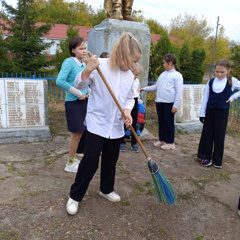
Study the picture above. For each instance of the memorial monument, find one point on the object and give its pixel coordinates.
(103, 36)
(119, 9)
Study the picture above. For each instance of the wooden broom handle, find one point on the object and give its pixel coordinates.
(120, 108)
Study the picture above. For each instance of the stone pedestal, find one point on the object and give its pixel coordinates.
(103, 36)
(23, 110)
(187, 116)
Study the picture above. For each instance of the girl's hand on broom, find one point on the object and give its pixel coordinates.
(92, 63)
(128, 121)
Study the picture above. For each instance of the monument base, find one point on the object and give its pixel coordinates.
(195, 126)
(31, 134)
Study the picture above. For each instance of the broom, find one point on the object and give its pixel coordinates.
(163, 189)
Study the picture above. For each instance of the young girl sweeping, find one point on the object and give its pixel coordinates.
(214, 114)
(169, 88)
(104, 120)
(75, 101)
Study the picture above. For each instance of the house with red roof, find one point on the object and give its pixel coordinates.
(58, 33)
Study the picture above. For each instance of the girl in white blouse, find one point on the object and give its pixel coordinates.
(104, 121)
(169, 87)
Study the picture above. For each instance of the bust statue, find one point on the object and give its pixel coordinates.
(119, 9)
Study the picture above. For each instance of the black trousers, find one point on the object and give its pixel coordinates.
(239, 204)
(134, 114)
(211, 144)
(166, 122)
(82, 143)
(88, 166)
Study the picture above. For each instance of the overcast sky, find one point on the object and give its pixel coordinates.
(164, 11)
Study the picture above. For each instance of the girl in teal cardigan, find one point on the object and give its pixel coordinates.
(76, 100)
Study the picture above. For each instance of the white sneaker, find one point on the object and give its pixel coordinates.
(113, 197)
(73, 168)
(72, 206)
(159, 143)
(76, 160)
(80, 154)
(168, 146)
(216, 166)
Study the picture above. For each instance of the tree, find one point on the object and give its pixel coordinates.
(155, 27)
(189, 26)
(235, 60)
(193, 30)
(138, 16)
(3, 55)
(70, 13)
(158, 51)
(222, 47)
(197, 70)
(26, 39)
(185, 61)
(64, 52)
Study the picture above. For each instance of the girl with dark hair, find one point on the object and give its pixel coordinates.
(104, 120)
(169, 87)
(75, 101)
(214, 114)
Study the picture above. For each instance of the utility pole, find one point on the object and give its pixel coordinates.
(214, 50)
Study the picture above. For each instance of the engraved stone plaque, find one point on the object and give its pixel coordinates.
(23, 110)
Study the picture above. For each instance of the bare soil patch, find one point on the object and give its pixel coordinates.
(34, 190)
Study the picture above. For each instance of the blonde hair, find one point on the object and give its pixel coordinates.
(122, 51)
(225, 63)
(137, 70)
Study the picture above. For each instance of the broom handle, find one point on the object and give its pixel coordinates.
(120, 108)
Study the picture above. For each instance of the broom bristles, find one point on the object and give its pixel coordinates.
(163, 189)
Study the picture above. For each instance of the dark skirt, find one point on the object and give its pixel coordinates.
(75, 114)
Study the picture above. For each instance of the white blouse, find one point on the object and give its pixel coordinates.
(169, 88)
(136, 86)
(103, 116)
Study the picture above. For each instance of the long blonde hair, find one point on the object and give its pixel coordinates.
(225, 63)
(137, 70)
(122, 51)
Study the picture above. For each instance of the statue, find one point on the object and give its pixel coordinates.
(119, 9)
